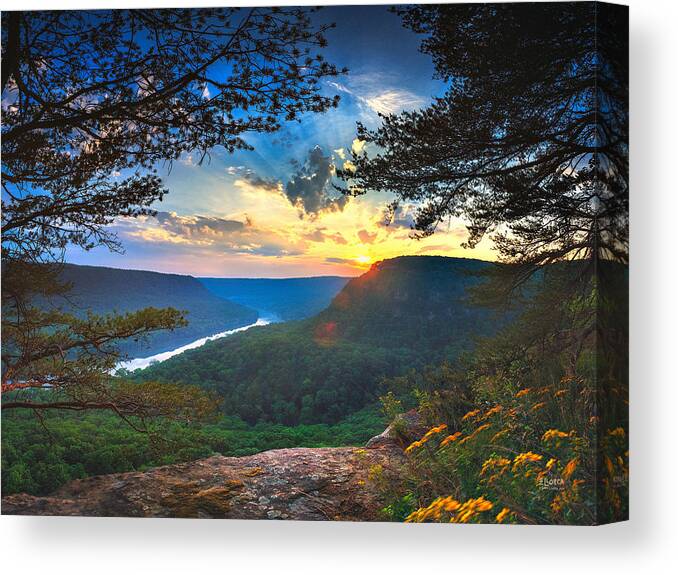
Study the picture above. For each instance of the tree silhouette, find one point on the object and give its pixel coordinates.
(92, 103)
(530, 145)
(530, 140)
(91, 98)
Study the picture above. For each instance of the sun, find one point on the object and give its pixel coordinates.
(363, 259)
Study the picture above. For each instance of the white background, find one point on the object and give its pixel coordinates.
(647, 543)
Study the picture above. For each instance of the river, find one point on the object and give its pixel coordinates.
(143, 362)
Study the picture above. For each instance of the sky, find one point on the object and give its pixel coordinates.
(272, 212)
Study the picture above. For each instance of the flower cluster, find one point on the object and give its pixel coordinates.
(456, 512)
(554, 434)
(429, 434)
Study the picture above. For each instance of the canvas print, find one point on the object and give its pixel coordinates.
(357, 263)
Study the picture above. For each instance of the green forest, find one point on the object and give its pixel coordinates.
(38, 456)
(401, 315)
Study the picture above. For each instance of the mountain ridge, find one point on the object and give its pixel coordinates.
(400, 315)
(284, 298)
(103, 290)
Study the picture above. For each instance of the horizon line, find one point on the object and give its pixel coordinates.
(276, 277)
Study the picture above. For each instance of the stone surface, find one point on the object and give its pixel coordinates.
(406, 428)
(299, 483)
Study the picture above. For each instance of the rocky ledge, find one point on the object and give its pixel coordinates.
(334, 483)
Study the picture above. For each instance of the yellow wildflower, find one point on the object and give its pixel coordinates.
(413, 446)
(470, 508)
(430, 433)
(461, 513)
(470, 414)
(557, 503)
(493, 462)
(609, 466)
(492, 411)
(502, 514)
(570, 467)
(522, 458)
(434, 510)
(618, 432)
(539, 405)
(553, 434)
(450, 438)
(523, 392)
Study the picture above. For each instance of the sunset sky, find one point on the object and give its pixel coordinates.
(272, 212)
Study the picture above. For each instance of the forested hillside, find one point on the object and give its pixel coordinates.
(400, 315)
(100, 290)
(284, 299)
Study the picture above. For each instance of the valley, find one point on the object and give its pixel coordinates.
(311, 382)
(402, 314)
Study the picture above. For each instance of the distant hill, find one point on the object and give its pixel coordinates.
(103, 290)
(283, 299)
(402, 314)
(408, 301)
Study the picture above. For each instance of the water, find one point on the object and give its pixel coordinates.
(144, 362)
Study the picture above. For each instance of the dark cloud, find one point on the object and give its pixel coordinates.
(217, 234)
(252, 178)
(195, 226)
(268, 184)
(309, 188)
(319, 235)
(338, 261)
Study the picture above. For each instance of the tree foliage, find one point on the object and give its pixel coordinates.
(88, 95)
(530, 145)
(93, 102)
(39, 458)
(530, 140)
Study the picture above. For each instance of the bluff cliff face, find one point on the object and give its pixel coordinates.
(299, 483)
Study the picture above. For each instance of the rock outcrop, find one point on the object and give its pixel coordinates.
(300, 483)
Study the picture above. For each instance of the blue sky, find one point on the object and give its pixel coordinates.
(272, 212)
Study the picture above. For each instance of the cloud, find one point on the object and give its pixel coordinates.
(400, 217)
(319, 235)
(357, 146)
(339, 261)
(370, 91)
(394, 101)
(211, 234)
(198, 226)
(366, 237)
(267, 184)
(308, 189)
(340, 87)
(248, 178)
